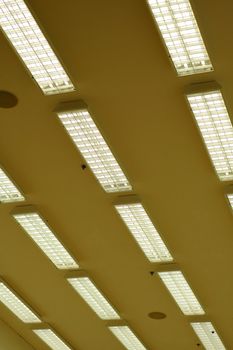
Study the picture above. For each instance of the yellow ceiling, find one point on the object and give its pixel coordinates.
(115, 57)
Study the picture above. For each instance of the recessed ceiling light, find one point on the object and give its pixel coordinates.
(88, 139)
(41, 234)
(181, 292)
(7, 99)
(144, 232)
(127, 337)
(93, 297)
(181, 35)
(16, 305)
(51, 339)
(31, 45)
(230, 198)
(8, 191)
(215, 125)
(208, 335)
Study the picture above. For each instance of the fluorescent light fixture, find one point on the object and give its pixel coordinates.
(93, 298)
(8, 191)
(214, 123)
(208, 335)
(51, 339)
(127, 337)
(230, 198)
(86, 136)
(181, 292)
(12, 302)
(28, 40)
(181, 35)
(41, 234)
(143, 230)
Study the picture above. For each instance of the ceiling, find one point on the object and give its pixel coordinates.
(116, 59)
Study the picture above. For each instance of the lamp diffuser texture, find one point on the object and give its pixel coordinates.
(8, 191)
(208, 335)
(51, 339)
(182, 37)
(215, 126)
(31, 45)
(41, 234)
(93, 298)
(127, 338)
(12, 302)
(181, 292)
(144, 232)
(88, 139)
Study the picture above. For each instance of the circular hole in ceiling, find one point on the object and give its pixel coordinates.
(7, 99)
(157, 315)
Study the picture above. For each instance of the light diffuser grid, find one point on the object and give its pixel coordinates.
(12, 302)
(127, 337)
(208, 335)
(23, 32)
(83, 131)
(143, 230)
(181, 292)
(214, 123)
(45, 239)
(51, 339)
(93, 298)
(182, 36)
(230, 198)
(8, 191)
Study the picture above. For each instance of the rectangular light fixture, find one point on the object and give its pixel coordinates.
(143, 230)
(92, 296)
(8, 191)
(51, 339)
(181, 292)
(41, 234)
(16, 305)
(88, 139)
(208, 335)
(182, 37)
(31, 45)
(215, 125)
(230, 198)
(127, 337)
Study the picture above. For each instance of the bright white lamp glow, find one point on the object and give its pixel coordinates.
(230, 198)
(51, 339)
(127, 337)
(181, 35)
(214, 123)
(12, 302)
(93, 298)
(41, 234)
(208, 335)
(143, 230)
(86, 136)
(181, 292)
(25, 35)
(8, 191)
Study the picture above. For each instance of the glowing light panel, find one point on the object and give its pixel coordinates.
(214, 123)
(181, 292)
(181, 35)
(86, 136)
(28, 40)
(143, 230)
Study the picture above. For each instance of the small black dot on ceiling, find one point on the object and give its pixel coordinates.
(7, 99)
(157, 315)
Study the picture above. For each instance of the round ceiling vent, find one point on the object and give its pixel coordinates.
(7, 99)
(157, 315)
